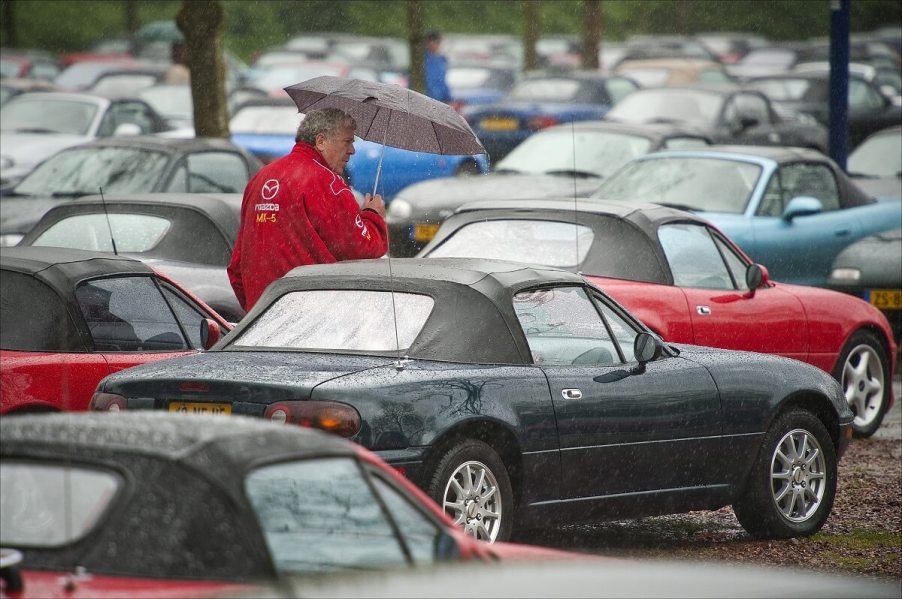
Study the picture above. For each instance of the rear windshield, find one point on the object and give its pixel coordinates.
(339, 320)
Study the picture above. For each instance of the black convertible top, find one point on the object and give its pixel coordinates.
(63, 268)
(473, 319)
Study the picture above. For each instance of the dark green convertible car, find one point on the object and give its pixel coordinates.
(518, 396)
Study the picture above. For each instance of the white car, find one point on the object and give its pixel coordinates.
(35, 126)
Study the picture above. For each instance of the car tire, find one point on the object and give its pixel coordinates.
(471, 484)
(792, 484)
(862, 371)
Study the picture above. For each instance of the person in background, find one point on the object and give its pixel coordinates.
(436, 69)
(298, 210)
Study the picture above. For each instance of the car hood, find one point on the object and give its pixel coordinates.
(451, 192)
(31, 148)
(247, 376)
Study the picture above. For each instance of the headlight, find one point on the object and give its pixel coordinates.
(846, 274)
(399, 209)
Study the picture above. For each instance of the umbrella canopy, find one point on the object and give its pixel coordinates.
(390, 114)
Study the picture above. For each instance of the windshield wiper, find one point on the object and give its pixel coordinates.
(34, 130)
(576, 174)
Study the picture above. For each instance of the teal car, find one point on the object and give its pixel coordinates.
(793, 209)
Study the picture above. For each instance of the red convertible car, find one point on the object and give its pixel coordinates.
(71, 317)
(690, 284)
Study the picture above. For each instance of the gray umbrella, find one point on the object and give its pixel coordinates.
(390, 114)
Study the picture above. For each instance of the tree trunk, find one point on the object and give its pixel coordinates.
(9, 24)
(201, 22)
(531, 28)
(130, 14)
(592, 34)
(417, 51)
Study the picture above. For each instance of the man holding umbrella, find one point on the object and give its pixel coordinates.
(298, 210)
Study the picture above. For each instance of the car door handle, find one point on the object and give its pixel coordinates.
(703, 310)
(571, 393)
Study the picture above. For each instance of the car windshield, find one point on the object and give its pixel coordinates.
(707, 184)
(48, 115)
(549, 243)
(275, 120)
(132, 232)
(667, 105)
(84, 170)
(546, 90)
(335, 320)
(879, 157)
(597, 153)
(51, 505)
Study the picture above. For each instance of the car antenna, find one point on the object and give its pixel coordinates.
(108, 225)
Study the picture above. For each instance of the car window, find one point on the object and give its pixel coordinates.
(863, 97)
(619, 87)
(813, 180)
(544, 242)
(563, 327)
(693, 257)
(85, 169)
(319, 515)
(132, 232)
(421, 534)
(187, 314)
(548, 90)
(624, 333)
(50, 505)
(335, 320)
(735, 263)
(772, 202)
(216, 172)
(129, 314)
(48, 115)
(133, 113)
(33, 317)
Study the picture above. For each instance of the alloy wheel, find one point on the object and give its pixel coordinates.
(472, 499)
(798, 475)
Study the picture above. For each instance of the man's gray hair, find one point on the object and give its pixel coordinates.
(328, 121)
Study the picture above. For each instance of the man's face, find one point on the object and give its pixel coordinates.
(336, 150)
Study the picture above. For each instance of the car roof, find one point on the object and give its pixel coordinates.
(63, 267)
(637, 212)
(778, 154)
(472, 300)
(165, 435)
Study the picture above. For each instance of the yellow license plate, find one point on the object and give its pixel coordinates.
(498, 124)
(424, 232)
(887, 299)
(190, 407)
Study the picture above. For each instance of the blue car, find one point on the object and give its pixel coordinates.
(792, 209)
(543, 100)
(266, 128)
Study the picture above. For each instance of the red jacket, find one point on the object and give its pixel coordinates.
(297, 211)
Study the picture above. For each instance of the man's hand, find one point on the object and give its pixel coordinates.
(374, 203)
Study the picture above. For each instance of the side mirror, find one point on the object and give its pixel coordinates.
(210, 333)
(127, 129)
(802, 206)
(755, 277)
(646, 348)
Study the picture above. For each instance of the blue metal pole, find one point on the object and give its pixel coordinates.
(839, 81)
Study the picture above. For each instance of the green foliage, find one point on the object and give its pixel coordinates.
(255, 25)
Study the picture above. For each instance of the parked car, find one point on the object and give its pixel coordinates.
(542, 100)
(35, 126)
(72, 317)
(789, 208)
(267, 129)
(886, 79)
(28, 64)
(518, 394)
(127, 81)
(188, 236)
(180, 505)
(688, 283)
(140, 164)
(558, 161)
(876, 164)
(871, 268)
(809, 93)
(10, 88)
(479, 83)
(725, 115)
(658, 72)
(81, 74)
(730, 46)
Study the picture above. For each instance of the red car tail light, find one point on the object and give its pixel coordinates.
(107, 402)
(540, 122)
(331, 416)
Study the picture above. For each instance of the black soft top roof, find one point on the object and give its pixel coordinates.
(63, 268)
(473, 318)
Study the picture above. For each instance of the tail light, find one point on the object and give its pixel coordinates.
(330, 416)
(540, 122)
(107, 402)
